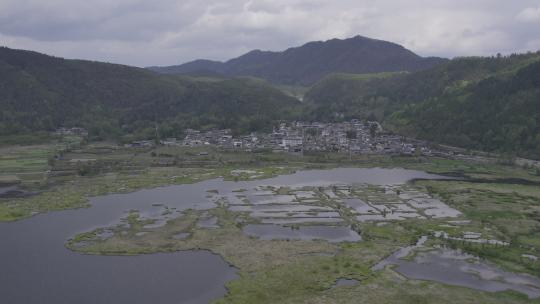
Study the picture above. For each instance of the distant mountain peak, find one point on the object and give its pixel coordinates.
(312, 61)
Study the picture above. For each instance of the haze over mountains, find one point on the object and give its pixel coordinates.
(309, 63)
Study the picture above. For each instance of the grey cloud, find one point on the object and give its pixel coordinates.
(82, 20)
(530, 14)
(141, 32)
(264, 6)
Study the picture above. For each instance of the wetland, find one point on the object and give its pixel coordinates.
(276, 233)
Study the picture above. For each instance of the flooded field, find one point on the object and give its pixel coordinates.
(316, 205)
(346, 282)
(453, 267)
(328, 233)
(322, 202)
(208, 222)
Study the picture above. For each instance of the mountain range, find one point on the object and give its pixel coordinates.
(41, 93)
(485, 103)
(310, 62)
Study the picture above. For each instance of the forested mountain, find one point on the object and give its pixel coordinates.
(40, 92)
(482, 103)
(309, 63)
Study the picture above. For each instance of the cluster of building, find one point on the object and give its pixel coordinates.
(355, 136)
(71, 132)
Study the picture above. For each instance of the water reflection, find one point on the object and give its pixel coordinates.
(36, 267)
(333, 234)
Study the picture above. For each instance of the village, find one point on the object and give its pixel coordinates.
(355, 136)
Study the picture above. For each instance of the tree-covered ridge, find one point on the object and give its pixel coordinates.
(39, 92)
(482, 103)
(498, 113)
(478, 102)
(307, 64)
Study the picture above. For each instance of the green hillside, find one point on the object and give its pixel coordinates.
(39, 92)
(486, 103)
(481, 103)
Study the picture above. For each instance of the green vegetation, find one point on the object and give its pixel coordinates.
(506, 212)
(301, 271)
(74, 192)
(284, 271)
(42, 93)
(78, 172)
(480, 103)
(101, 168)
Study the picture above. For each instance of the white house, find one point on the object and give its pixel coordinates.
(291, 141)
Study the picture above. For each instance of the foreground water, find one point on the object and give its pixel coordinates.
(454, 267)
(36, 267)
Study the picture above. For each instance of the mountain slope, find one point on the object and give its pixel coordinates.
(489, 104)
(498, 113)
(309, 63)
(39, 92)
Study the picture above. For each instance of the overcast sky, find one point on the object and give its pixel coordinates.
(166, 32)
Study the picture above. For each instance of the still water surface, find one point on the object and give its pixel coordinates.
(35, 267)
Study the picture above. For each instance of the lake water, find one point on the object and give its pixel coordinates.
(35, 267)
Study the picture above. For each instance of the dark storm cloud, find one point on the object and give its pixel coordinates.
(141, 32)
